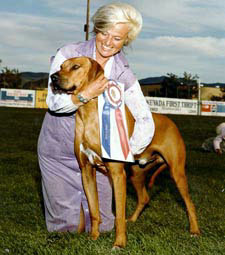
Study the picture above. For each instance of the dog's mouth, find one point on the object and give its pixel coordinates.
(57, 85)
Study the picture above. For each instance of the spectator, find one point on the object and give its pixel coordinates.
(216, 144)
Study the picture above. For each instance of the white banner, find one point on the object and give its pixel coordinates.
(17, 98)
(172, 105)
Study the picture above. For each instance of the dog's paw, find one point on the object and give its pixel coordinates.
(94, 236)
(116, 249)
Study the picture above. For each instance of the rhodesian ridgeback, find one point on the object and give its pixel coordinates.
(167, 150)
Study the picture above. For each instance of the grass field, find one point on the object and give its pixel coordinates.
(162, 228)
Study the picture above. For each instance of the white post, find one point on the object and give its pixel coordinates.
(86, 26)
(199, 97)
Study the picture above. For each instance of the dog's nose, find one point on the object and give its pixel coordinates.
(54, 77)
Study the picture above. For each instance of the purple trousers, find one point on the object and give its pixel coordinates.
(61, 178)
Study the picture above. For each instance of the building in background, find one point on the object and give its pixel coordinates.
(152, 86)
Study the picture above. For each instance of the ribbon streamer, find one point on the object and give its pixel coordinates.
(122, 133)
(113, 101)
(106, 128)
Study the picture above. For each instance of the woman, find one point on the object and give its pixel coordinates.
(66, 208)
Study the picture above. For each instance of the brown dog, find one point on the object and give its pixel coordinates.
(167, 149)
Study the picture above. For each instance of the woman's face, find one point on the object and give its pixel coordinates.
(110, 42)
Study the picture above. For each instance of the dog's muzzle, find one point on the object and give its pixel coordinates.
(56, 84)
(55, 81)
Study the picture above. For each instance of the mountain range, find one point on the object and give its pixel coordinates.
(39, 80)
(33, 80)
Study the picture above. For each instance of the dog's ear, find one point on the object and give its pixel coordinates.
(95, 70)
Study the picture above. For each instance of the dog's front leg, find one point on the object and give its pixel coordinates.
(90, 188)
(88, 176)
(118, 176)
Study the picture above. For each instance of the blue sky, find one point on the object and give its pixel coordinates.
(177, 35)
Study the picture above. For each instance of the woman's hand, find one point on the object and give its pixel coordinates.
(95, 88)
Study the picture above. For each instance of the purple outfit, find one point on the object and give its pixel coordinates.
(61, 177)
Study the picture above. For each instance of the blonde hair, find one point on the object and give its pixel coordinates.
(111, 14)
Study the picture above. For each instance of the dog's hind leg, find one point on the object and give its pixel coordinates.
(138, 180)
(178, 175)
(156, 173)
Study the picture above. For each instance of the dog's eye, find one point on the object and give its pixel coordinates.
(75, 67)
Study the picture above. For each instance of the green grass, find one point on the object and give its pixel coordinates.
(162, 228)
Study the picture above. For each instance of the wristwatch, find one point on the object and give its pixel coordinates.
(82, 99)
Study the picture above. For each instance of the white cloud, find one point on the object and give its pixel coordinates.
(20, 29)
(162, 55)
(201, 46)
(185, 17)
(66, 6)
(26, 38)
(177, 36)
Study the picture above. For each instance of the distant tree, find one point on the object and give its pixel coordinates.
(10, 78)
(170, 85)
(190, 83)
(180, 87)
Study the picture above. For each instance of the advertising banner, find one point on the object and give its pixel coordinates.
(213, 108)
(37, 99)
(40, 101)
(172, 105)
(17, 98)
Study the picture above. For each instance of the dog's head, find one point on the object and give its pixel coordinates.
(75, 74)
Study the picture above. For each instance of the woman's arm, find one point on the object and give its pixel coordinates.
(216, 144)
(60, 103)
(144, 125)
(66, 103)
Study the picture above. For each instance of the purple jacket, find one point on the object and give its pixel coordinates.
(120, 69)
